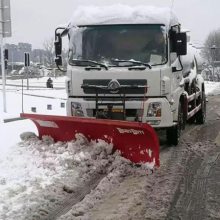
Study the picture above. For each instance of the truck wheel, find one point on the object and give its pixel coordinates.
(201, 114)
(173, 133)
(192, 119)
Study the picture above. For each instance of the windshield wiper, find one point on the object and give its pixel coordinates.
(133, 62)
(89, 62)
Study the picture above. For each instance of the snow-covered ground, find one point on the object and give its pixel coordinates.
(22, 170)
(31, 99)
(212, 88)
(29, 167)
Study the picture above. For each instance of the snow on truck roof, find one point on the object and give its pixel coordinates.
(123, 14)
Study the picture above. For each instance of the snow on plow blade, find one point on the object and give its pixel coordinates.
(136, 141)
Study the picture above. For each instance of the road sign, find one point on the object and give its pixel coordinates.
(5, 18)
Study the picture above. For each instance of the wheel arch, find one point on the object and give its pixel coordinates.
(183, 100)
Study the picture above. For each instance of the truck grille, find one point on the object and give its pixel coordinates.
(131, 86)
(114, 98)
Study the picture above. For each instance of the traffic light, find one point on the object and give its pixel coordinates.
(6, 58)
(26, 59)
(6, 54)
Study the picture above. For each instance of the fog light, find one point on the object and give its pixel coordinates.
(154, 109)
(76, 109)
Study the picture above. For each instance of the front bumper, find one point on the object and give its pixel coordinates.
(134, 109)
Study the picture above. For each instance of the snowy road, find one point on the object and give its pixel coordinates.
(185, 187)
(198, 195)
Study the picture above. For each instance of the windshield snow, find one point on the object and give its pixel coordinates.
(107, 43)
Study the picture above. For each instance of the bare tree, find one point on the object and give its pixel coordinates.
(211, 50)
(49, 52)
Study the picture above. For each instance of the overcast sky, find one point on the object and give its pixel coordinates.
(34, 21)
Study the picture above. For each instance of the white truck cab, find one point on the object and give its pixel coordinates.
(131, 66)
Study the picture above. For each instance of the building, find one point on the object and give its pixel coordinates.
(16, 52)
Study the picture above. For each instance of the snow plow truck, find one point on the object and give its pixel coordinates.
(129, 73)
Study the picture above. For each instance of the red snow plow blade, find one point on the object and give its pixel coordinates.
(136, 141)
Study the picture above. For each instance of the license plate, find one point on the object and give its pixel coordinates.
(115, 110)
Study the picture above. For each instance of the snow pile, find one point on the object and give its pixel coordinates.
(116, 171)
(40, 171)
(212, 88)
(123, 14)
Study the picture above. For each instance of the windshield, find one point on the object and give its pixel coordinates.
(107, 43)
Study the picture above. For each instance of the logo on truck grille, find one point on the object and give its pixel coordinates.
(113, 86)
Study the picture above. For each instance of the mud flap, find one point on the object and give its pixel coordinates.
(136, 141)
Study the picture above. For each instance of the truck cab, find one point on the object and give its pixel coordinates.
(129, 68)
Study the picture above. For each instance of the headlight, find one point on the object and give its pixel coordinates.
(76, 109)
(154, 109)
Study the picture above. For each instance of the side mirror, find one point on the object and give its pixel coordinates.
(180, 43)
(58, 60)
(58, 49)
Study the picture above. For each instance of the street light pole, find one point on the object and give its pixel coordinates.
(12, 60)
(213, 60)
(5, 31)
(3, 74)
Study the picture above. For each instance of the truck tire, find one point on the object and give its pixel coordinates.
(173, 133)
(191, 120)
(201, 114)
